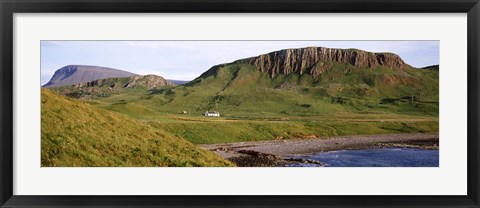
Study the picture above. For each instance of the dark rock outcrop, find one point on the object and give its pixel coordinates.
(315, 60)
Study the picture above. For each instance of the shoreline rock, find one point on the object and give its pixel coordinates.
(275, 153)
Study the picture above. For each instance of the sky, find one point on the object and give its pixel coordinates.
(186, 60)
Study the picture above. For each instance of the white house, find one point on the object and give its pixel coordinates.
(212, 113)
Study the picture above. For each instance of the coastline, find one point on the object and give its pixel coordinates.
(273, 153)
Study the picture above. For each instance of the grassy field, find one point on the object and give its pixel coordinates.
(225, 130)
(75, 133)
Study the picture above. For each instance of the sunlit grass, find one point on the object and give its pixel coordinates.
(75, 133)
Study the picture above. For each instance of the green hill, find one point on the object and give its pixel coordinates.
(75, 133)
(110, 86)
(287, 82)
(240, 89)
(291, 93)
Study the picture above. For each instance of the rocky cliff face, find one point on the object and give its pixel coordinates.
(314, 60)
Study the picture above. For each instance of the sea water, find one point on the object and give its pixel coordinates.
(383, 157)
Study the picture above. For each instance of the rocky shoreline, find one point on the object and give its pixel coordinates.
(275, 153)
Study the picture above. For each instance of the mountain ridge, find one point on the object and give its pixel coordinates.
(74, 74)
(105, 87)
(149, 81)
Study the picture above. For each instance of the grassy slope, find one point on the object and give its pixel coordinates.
(77, 134)
(238, 90)
(343, 101)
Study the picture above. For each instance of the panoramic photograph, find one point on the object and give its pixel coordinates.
(240, 104)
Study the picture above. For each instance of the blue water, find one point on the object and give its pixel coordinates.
(384, 157)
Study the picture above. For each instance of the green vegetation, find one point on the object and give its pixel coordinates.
(75, 133)
(344, 100)
(223, 131)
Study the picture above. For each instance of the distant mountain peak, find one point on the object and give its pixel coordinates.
(74, 74)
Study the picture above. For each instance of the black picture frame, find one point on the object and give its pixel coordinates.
(9, 7)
